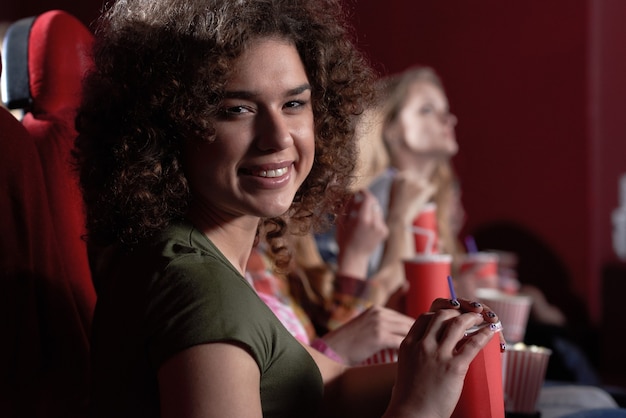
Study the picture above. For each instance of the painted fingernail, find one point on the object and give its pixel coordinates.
(491, 314)
(476, 304)
(495, 327)
(454, 302)
(502, 347)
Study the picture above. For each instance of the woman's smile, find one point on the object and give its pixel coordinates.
(270, 176)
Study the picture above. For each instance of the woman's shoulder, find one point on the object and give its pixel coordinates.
(176, 260)
(181, 244)
(188, 256)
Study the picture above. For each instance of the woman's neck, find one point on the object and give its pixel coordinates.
(234, 237)
(422, 167)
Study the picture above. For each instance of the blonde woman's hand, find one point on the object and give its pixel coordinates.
(360, 229)
(409, 194)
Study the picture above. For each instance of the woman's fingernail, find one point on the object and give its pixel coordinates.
(476, 304)
(491, 314)
(495, 327)
(454, 302)
(502, 347)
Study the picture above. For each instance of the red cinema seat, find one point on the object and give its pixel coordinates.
(27, 261)
(45, 59)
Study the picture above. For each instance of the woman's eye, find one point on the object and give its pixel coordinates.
(235, 110)
(424, 110)
(294, 104)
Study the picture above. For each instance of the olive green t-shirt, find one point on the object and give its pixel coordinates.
(178, 292)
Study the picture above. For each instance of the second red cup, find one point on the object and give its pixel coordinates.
(483, 266)
(427, 275)
(425, 232)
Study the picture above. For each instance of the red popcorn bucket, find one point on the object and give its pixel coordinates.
(512, 310)
(386, 355)
(524, 373)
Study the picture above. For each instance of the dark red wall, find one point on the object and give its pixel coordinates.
(539, 90)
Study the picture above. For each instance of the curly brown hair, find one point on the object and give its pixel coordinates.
(159, 75)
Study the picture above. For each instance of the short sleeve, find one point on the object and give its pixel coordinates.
(199, 301)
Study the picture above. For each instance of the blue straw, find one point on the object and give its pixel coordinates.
(451, 286)
(470, 244)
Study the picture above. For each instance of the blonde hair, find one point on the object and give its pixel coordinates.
(445, 197)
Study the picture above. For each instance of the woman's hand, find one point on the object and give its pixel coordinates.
(375, 329)
(408, 196)
(435, 356)
(360, 230)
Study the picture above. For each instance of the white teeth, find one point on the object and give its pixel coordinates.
(273, 173)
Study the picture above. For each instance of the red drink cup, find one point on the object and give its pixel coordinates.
(427, 275)
(425, 231)
(483, 267)
(482, 395)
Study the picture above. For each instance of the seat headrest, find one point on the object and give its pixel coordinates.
(54, 59)
(14, 79)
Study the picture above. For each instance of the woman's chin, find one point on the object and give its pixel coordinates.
(272, 208)
(274, 211)
(275, 214)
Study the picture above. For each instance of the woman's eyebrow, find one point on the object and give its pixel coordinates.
(298, 90)
(246, 94)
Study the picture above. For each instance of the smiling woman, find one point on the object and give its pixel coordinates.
(209, 126)
(143, 106)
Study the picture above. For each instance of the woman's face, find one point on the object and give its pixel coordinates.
(264, 137)
(424, 124)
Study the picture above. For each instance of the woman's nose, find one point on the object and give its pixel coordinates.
(448, 118)
(273, 131)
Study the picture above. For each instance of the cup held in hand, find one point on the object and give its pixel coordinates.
(425, 231)
(482, 394)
